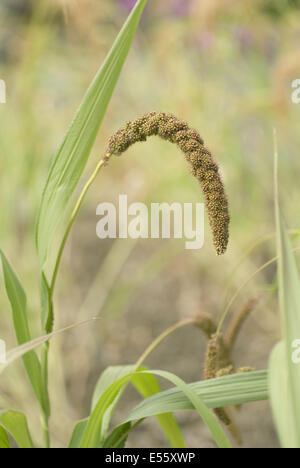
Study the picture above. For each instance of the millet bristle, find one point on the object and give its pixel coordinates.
(203, 167)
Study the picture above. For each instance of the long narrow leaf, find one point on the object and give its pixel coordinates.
(18, 352)
(118, 437)
(91, 435)
(280, 396)
(72, 156)
(4, 440)
(77, 433)
(94, 429)
(229, 390)
(146, 385)
(284, 372)
(16, 424)
(17, 300)
(203, 411)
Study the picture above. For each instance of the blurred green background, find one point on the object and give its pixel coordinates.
(224, 66)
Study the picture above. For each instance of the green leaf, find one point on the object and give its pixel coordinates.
(118, 437)
(224, 391)
(107, 378)
(73, 154)
(78, 433)
(209, 419)
(17, 300)
(146, 385)
(284, 372)
(18, 352)
(280, 396)
(110, 375)
(46, 305)
(16, 424)
(91, 435)
(97, 423)
(4, 440)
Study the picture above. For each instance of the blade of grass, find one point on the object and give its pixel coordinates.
(4, 440)
(209, 419)
(224, 391)
(280, 397)
(284, 373)
(77, 433)
(16, 424)
(92, 432)
(118, 437)
(97, 421)
(18, 303)
(146, 385)
(18, 352)
(72, 156)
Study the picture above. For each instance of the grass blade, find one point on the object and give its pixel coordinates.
(91, 435)
(72, 156)
(230, 390)
(98, 420)
(18, 352)
(118, 437)
(209, 419)
(280, 396)
(16, 424)
(146, 385)
(4, 440)
(77, 433)
(284, 373)
(18, 303)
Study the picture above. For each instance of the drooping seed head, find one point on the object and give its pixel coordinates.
(203, 167)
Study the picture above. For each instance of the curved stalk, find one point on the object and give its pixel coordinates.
(44, 364)
(99, 166)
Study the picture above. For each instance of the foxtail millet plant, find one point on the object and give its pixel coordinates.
(203, 166)
(218, 359)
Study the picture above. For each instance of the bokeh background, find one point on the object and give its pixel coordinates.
(226, 67)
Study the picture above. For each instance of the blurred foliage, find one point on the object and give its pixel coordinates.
(223, 65)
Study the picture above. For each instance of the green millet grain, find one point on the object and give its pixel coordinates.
(203, 167)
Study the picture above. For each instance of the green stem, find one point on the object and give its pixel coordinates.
(161, 337)
(100, 165)
(45, 412)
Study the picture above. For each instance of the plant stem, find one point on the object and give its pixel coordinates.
(99, 166)
(161, 337)
(45, 412)
(45, 427)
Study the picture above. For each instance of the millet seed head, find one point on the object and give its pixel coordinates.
(203, 167)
